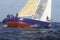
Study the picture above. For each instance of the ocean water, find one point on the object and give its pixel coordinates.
(35, 33)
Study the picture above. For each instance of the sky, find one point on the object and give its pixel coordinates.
(14, 6)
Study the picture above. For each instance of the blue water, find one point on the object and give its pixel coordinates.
(10, 33)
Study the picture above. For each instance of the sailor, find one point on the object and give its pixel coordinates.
(5, 19)
(12, 16)
(17, 15)
(47, 18)
(8, 16)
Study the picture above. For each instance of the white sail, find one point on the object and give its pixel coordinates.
(47, 12)
(29, 9)
(43, 12)
(40, 9)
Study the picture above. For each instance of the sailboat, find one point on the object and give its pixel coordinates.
(35, 12)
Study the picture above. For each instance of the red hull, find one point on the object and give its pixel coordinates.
(17, 24)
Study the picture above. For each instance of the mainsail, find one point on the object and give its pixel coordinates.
(40, 9)
(47, 12)
(43, 12)
(29, 9)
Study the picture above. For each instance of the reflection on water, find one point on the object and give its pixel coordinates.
(11, 33)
